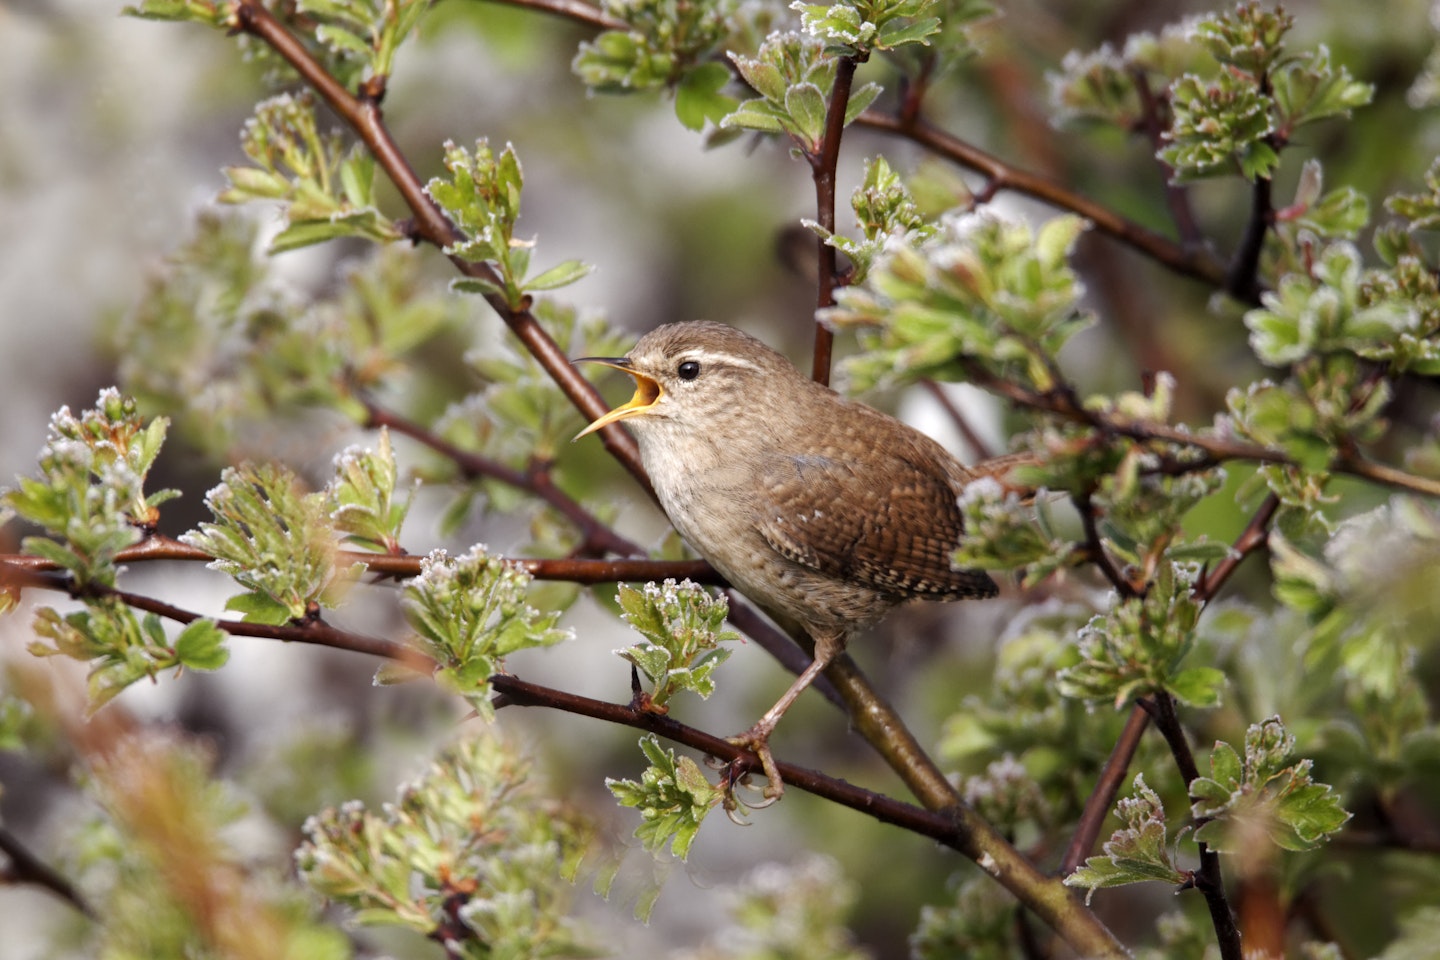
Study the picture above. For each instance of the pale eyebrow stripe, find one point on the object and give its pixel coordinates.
(725, 359)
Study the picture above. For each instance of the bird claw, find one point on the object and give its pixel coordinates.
(737, 772)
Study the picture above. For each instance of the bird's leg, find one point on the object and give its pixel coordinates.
(757, 738)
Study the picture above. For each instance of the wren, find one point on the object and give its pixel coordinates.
(824, 512)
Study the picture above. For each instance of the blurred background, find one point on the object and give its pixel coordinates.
(113, 133)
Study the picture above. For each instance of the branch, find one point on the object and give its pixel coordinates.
(1107, 788)
(823, 167)
(408, 565)
(1253, 537)
(430, 224)
(1063, 404)
(1176, 196)
(1241, 281)
(1095, 545)
(1209, 881)
(1196, 263)
(958, 828)
(962, 423)
(25, 867)
(536, 481)
(575, 10)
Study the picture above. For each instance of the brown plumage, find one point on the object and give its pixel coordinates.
(823, 511)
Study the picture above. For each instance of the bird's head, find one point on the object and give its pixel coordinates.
(695, 376)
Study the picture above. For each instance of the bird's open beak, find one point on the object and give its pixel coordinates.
(647, 392)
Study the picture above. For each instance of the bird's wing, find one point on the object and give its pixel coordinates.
(882, 522)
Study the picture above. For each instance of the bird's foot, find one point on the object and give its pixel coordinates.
(736, 775)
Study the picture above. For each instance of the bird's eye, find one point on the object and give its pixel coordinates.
(689, 370)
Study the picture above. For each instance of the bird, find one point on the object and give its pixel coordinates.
(824, 512)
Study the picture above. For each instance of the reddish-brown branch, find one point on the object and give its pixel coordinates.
(1095, 545)
(575, 10)
(1102, 798)
(1255, 535)
(408, 565)
(823, 167)
(536, 481)
(14, 576)
(1242, 279)
(962, 423)
(1176, 196)
(957, 828)
(885, 809)
(1197, 263)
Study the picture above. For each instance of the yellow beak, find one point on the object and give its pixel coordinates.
(647, 393)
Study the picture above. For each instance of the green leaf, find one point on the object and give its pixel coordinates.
(259, 608)
(698, 97)
(273, 539)
(201, 646)
(1137, 852)
(562, 274)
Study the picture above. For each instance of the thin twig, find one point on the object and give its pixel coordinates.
(1176, 196)
(1219, 448)
(573, 570)
(958, 828)
(823, 167)
(1242, 280)
(1255, 535)
(25, 867)
(1102, 798)
(1209, 881)
(1197, 263)
(962, 423)
(575, 10)
(536, 482)
(1095, 544)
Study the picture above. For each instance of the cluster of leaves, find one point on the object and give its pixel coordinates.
(860, 28)
(520, 417)
(482, 198)
(1265, 802)
(161, 866)
(667, 44)
(90, 494)
(220, 340)
(983, 290)
(362, 499)
(470, 855)
(1370, 611)
(794, 76)
(326, 191)
(1060, 742)
(468, 613)
(884, 209)
(673, 796)
(361, 36)
(682, 625)
(90, 499)
(1343, 331)
(1234, 98)
(1137, 647)
(682, 628)
(275, 540)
